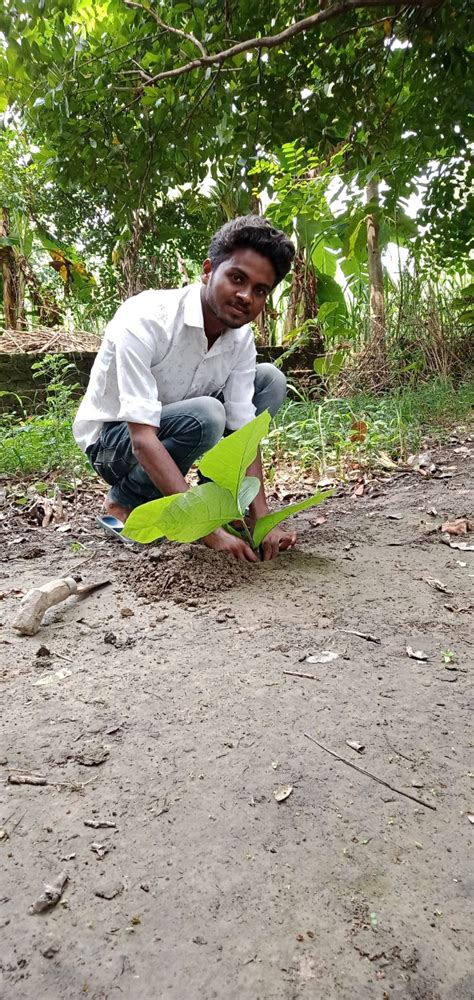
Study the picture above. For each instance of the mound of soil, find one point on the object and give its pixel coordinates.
(180, 573)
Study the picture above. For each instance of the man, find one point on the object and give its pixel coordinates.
(177, 368)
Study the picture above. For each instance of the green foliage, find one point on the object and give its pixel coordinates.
(185, 517)
(227, 462)
(322, 436)
(43, 443)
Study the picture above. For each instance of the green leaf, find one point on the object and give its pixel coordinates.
(227, 463)
(269, 521)
(247, 492)
(182, 517)
(330, 363)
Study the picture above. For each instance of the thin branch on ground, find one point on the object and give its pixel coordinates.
(369, 774)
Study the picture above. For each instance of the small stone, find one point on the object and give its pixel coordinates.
(126, 613)
(109, 890)
(199, 940)
(50, 950)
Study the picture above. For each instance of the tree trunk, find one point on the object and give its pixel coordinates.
(377, 304)
(12, 304)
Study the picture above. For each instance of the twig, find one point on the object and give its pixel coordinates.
(362, 635)
(369, 774)
(188, 37)
(299, 673)
(394, 750)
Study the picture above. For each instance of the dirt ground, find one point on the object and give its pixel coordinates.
(165, 707)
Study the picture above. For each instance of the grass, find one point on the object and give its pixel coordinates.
(335, 433)
(340, 433)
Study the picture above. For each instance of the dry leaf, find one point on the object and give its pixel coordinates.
(359, 430)
(438, 585)
(59, 675)
(325, 656)
(283, 793)
(458, 527)
(51, 895)
(385, 461)
(464, 546)
(359, 491)
(354, 745)
(416, 654)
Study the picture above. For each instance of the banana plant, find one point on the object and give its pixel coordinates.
(186, 517)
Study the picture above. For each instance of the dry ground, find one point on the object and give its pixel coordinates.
(176, 723)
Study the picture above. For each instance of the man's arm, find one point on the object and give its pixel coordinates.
(277, 540)
(164, 473)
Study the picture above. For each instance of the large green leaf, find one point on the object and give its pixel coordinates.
(247, 492)
(269, 521)
(182, 517)
(227, 463)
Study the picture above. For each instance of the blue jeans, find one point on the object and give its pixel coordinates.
(188, 429)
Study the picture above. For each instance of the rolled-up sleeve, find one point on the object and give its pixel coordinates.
(239, 389)
(137, 388)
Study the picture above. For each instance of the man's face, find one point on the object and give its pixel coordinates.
(236, 291)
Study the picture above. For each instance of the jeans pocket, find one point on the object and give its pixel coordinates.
(110, 468)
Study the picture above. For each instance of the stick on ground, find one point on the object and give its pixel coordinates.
(299, 673)
(369, 774)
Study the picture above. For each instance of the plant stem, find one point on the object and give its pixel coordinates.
(248, 535)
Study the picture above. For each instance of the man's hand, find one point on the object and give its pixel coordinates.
(277, 541)
(223, 541)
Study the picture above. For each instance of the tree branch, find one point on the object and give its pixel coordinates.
(271, 41)
(167, 27)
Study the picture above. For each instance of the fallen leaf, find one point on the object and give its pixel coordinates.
(317, 521)
(354, 745)
(100, 849)
(460, 526)
(59, 675)
(359, 491)
(438, 585)
(416, 654)
(325, 656)
(283, 793)
(385, 461)
(51, 894)
(463, 546)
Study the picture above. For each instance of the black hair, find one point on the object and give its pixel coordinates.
(255, 233)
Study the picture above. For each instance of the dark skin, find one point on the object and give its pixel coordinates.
(232, 295)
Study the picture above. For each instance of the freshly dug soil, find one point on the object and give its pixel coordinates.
(180, 573)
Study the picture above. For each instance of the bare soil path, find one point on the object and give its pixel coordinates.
(174, 720)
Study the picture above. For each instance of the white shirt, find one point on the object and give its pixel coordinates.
(154, 352)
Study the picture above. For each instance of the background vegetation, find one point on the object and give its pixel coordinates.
(130, 131)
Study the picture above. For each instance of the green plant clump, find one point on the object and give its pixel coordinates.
(185, 517)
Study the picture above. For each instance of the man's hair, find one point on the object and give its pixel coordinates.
(255, 233)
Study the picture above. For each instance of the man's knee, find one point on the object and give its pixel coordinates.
(270, 387)
(213, 419)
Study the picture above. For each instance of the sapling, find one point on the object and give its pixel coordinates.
(222, 501)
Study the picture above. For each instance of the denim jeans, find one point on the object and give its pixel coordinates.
(188, 429)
